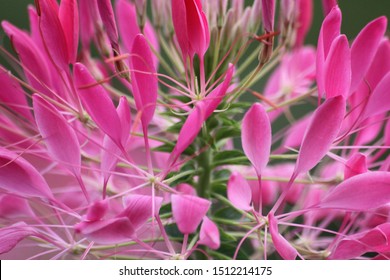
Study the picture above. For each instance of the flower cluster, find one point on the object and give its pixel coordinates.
(127, 132)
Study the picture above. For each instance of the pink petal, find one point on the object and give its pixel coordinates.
(377, 102)
(305, 16)
(12, 235)
(187, 134)
(353, 246)
(256, 136)
(14, 207)
(143, 75)
(97, 103)
(215, 97)
(186, 189)
(268, 12)
(239, 192)
(69, 18)
(59, 137)
(124, 114)
(19, 177)
(13, 96)
(295, 134)
(197, 27)
(364, 48)
(90, 17)
(209, 234)
(356, 165)
(179, 19)
(188, 211)
(52, 33)
(108, 18)
(330, 29)
(327, 5)
(32, 58)
(360, 193)
(97, 211)
(139, 208)
(111, 231)
(338, 68)
(322, 131)
(282, 246)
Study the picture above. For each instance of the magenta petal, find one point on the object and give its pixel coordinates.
(282, 246)
(12, 235)
(327, 5)
(377, 102)
(330, 29)
(322, 131)
(188, 211)
(143, 75)
(356, 165)
(97, 211)
(31, 56)
(268, 12)
(124, 114)
(197, 27)
(305, 16)
(211, 102)
(187, 134)
(364, 48)
(12, 95)
(338, 68)
(353, 246)
(179, 19)
(256, 136)
(360, 193)
(139, 208)
(69, 18)
(111, 231)
(18, 176)
(209, 234)
(108, 18)
(59, 137)
(239, 192)
(14, 207)
(97, 103)
(52, 32)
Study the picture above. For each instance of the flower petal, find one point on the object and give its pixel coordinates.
(239, 192)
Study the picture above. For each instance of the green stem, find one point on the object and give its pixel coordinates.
(205, 174)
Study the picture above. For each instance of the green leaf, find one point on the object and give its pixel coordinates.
(225, 237)
(227, 132)
(232, 157)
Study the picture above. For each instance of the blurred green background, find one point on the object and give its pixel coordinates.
(356, 13)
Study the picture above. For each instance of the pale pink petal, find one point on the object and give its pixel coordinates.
(14, 207)
(360, 193)
(256, 136)
(320, 134)
(282, 246)
(188, 211)
(209, 234)
(239, 192)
